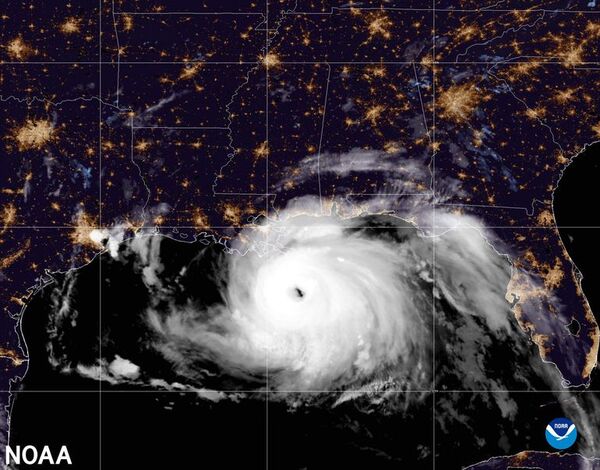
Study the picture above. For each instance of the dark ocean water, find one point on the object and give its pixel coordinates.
(577, 213)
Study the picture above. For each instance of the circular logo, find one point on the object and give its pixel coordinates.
(561, 433)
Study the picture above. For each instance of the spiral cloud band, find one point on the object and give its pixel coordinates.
(320, 303)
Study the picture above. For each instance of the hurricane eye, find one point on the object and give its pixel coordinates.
(298, 293)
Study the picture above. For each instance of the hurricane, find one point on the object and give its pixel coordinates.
(317, 303)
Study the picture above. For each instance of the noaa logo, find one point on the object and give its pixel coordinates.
(30, 455)
(561, 433)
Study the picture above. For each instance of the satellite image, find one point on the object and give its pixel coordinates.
(300, 234)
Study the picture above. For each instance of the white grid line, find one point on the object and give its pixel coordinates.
(250, 225)
(332, 392)
(186, 13)
(446, 10)
(345, 9)
(267, 358)
(182, 128)
(100, 6)
(118, 51)
(534, 60)
(321, 137)
(433, 244)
